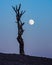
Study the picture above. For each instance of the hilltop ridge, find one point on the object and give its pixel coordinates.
(17, 59)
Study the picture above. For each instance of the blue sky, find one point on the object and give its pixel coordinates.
(37, 38)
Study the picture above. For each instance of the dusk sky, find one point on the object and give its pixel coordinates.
(37, 37)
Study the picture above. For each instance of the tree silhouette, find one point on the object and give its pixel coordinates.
(20, 27)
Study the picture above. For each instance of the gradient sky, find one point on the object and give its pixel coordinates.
(37, 38)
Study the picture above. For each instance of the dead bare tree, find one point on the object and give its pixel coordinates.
(20, 27)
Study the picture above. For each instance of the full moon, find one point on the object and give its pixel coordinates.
(31, 22)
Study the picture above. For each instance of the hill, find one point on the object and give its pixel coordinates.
(16, 59)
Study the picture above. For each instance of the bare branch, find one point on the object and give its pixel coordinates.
(14, 9)
(19, 6)
(22, 12)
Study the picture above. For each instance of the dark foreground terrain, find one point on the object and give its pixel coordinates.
(16, 59)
